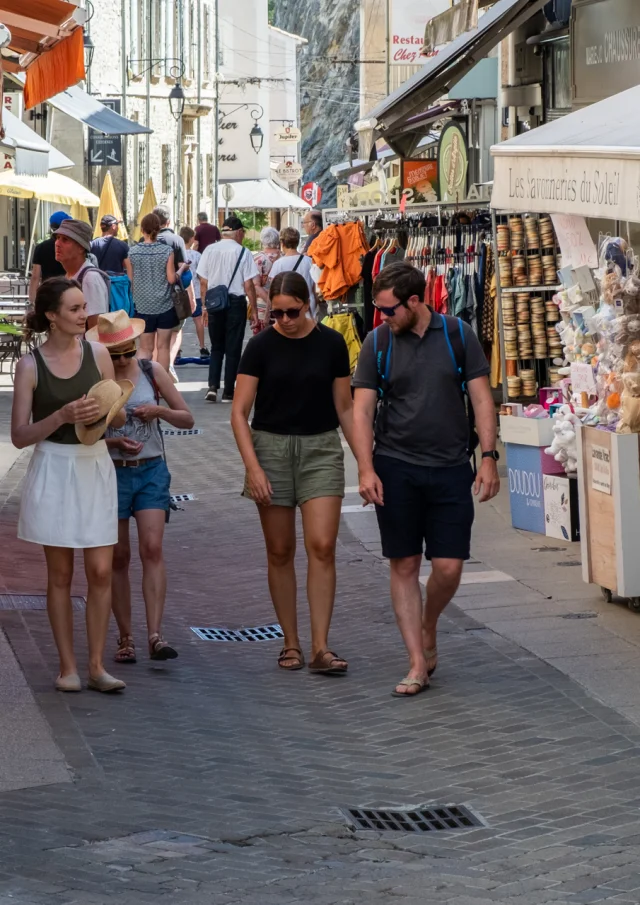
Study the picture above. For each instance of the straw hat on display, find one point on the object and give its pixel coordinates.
(115, 329)
(110, 395)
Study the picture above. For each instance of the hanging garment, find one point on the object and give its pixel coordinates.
(339, 250)
(488, 314)
(345, 325)
(367, 286)
(496, 364)
(431, 281)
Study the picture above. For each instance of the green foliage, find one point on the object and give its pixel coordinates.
(272, 11)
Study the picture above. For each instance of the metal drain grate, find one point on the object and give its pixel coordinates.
(33, 602)
(580, 616)
(182, 498)
(570, 562)
(259, 633)
(171, 432)
(423, 820)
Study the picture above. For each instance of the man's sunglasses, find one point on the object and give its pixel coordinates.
(292, 313)
(387, 311)
(130, 354)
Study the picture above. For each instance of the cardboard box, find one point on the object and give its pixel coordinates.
(561, 507)
(526, 431)
(526, 496)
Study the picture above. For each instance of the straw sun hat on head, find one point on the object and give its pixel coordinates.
(110, 395)
(115, 328)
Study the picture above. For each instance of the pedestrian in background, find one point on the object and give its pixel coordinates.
(137, 450)
(45, 263)
(69, 498)
(153, 276)
(312, 225)
(111, 253)
(419, 476)
(73, 251)
(227, 263)
(265, 259)
(297, 375)
(206, 233)
(292, 259)
(193, 259)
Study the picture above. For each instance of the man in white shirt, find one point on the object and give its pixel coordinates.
(73, 244)
(227, 263)
(292, 259)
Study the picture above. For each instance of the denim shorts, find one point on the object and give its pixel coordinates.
(144, 487)
(198, 311)
(165, 321)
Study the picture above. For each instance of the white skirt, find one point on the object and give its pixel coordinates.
(70, 497)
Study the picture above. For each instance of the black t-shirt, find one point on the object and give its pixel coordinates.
(110, 253)
(45, 255)
(295, 388)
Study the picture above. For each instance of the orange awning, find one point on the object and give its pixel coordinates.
(54, 70)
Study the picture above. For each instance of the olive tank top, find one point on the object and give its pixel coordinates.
(52, 393)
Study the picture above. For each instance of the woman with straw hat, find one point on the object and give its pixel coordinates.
(65, 397)
(137, 450)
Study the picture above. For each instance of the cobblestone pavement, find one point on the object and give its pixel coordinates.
(219, 780)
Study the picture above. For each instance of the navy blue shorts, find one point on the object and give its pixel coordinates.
(198, 311)
(165, 321)
(144, 487)
(425, 506)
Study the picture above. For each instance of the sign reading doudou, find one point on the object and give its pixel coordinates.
(586, 186)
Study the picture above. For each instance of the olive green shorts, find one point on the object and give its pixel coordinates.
(300, 468)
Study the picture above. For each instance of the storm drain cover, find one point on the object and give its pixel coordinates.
(33, 602)
(182, 497)
(580, 616)
(423, 820)
(171, 432)
(259, 633)
(570, 562)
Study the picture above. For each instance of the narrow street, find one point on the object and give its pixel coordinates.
(220, 779)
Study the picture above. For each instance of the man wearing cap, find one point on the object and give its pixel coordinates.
(228, 263)
(45, 264)
(73, 245)
(111, 253)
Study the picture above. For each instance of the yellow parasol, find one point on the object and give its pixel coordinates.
(79, 212)
(53, 187)
(148, 203)
(109, 205)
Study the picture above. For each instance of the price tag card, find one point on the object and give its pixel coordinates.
(575, 240)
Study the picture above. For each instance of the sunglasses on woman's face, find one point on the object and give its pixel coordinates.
(292, 313)
(116, 355)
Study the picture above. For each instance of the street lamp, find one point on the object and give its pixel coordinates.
(177, 101)
(89, 48)
(306, 99)
(257, 138)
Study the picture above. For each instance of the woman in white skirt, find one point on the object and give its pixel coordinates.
(69, 497)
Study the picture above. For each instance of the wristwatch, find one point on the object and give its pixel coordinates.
(491, 454)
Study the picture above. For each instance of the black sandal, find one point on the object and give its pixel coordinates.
(159, 649)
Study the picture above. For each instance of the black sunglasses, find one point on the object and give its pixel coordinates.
(387, 311)
(116, 355)
(292, 313)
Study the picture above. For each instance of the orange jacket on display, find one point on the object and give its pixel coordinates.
(339, 250)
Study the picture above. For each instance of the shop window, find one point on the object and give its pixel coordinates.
(557, 79)
(166, 169)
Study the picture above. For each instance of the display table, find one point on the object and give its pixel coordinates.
(609, 498)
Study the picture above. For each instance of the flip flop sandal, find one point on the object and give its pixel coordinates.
(298, 659)
(126, 652)
(160, 650)
(409, 683)
(325, 667)
(429, 655)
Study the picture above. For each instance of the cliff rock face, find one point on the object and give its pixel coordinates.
(332, 28)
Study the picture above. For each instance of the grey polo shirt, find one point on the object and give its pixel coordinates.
(426, 419)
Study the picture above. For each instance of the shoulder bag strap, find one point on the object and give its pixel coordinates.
(298, 263)
(105, 249)
(235, 270)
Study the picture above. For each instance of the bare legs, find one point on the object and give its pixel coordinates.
(320, 521)
(151, 524)
(158, 342)
(418, 628)
(97, 564)
(199, 331)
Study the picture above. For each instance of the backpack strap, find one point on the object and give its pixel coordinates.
(382, 344)
(105, 249)
(92, 268)
(454, 335)
(146, 366)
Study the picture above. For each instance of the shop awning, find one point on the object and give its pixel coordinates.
(261, 194)
(585, 163)
(33, 155)
(443, 71)
(53, 187)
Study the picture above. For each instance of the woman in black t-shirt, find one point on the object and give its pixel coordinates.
(298, 375)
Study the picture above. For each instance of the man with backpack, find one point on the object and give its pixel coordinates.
(73, 244)
(423, 377)
(111, 253)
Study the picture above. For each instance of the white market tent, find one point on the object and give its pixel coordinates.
(261, 194)
(586, 163)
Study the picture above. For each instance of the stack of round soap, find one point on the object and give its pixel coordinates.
(523, 312)
(514, 387)
(554, 375)
(508, 310)
(525, 346)
(511, 343)
(555, 343)
(553, 315)
(519, 270)
(547, 237)
(528, 378)
(504, 266)
(503, 237)
(531, 229)
(549, 269)
(535, 270)
(516, 231)
(538, 328)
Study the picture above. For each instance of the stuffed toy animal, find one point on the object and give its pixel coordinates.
(564, 447)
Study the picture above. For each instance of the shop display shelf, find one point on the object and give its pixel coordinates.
(513, 289)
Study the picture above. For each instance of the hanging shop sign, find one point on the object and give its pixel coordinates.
(289, 170)
(311, 193)
(421, 178)
(453, 159)
(288, 135)
(408, 21)
(605, 48)
(106, 150)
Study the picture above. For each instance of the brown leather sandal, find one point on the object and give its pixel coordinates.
(324, 664)
(298, 658)
(126, 652)
(159, 649)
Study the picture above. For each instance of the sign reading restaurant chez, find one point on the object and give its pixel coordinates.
(605, 48)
